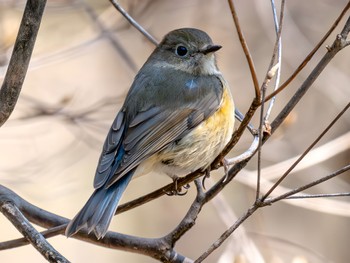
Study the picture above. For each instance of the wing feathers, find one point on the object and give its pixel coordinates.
(140, 132)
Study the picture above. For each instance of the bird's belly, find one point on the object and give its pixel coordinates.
(202, 145)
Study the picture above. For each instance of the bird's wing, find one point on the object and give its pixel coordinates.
(129, 142)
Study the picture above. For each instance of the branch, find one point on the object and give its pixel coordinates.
(21, 54)
(30, 233)
(339, 43)
(19, 242)
(158, 248)
(226, 234)
(134, 23)
(306, 151)
(304, 196)
(320, 205)
(277, 52)
(272, 70)
(311, 54)
(245, 49)
(271, 200)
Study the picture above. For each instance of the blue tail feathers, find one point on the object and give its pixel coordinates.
(99, 210)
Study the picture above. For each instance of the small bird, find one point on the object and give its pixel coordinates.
(177, 117)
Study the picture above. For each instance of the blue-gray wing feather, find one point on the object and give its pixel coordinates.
(140, 131)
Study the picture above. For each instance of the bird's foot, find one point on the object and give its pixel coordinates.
(178, 190)
(206, 175)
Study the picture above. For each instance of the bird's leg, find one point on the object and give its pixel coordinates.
(178, 190)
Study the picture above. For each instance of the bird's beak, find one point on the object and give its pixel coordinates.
(210, 49)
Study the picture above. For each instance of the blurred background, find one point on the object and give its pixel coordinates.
(84, 61)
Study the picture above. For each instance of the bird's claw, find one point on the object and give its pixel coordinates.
(206, 175)
(226, 165)
(178, 190)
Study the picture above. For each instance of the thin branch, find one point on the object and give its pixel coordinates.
(314, 157)
(270, 74)
(247, 154)
(304, 196)
(21, 54)
(241, 243)
(157, 248)
(306, 151)
(215, 165)
(262, 203)
(237, 134)
(311, 54)
(189, 219)
(226, 234)
(279, 53)
(134, 23)
(338, 44)
(269, 201)
(245, 49)
(345, 32)
(320, 205)
(260, 136)
(30, 233)
(19, 242)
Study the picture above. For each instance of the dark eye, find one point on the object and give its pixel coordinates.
(181, 51)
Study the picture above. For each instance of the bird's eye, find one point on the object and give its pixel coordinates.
(181, 51)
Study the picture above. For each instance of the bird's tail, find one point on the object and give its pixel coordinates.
(97, 213)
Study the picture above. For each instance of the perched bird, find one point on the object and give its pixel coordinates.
(177, 117)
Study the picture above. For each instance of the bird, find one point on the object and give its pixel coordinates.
(177, 117)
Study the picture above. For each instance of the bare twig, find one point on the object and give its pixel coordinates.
(21, 54)
(272, 70)
(321, 205)
(311, 54)
(241, 242)
(279, 53)
(226, 234)
(263, 201)
(158, 248)
(247, 154)
(134, 23)
(306, 151)
(245, 49)
(339, 43)
(304, 196)
(30, 233)
(189, 219)
(237, 134)
(314, 157)
(54, 231)
(271, 200)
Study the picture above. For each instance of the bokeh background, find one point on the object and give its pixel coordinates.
(84, 61)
